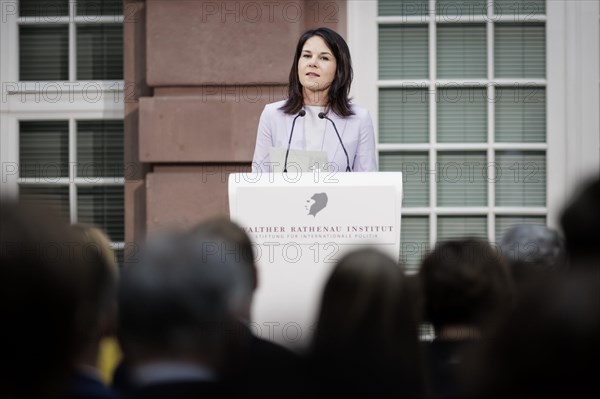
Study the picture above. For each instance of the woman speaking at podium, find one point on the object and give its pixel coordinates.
(317, 126)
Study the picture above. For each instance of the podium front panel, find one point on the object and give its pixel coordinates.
(301, 225)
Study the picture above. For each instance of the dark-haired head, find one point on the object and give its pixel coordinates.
(366, 334)
(52, 289)
(338, 92)
(548, 347)
(580, 222)
(465, 283)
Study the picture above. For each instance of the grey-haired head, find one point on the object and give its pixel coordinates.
(179, 298)
(530, 248)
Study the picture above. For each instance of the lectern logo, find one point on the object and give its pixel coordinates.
(316, 203)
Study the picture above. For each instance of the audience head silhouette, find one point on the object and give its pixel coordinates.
(549, 345)
(52, 290)
(366, 335)
(465, 285)
(532, 249)
(231, 241)
(580, 222)
(176, 302)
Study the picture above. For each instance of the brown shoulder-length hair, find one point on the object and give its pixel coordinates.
(340, 87)
(366, 337)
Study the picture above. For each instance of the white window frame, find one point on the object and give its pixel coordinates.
(71, 100)
(571, 67)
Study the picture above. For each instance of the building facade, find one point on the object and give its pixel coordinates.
(131, 115)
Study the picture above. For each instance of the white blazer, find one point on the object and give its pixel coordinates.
(356, 132)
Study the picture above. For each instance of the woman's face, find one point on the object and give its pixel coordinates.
(316, 68)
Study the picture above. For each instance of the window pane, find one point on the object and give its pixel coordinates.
(462, 179)
(102, 207)
(414, 167)
(461, 51)
(44, 52)
(520, 115)
(520, 178)
(100, 52)
(100, 148)
(44, 149)
(503, 223)
(405, 7)
(462, 115)
(55, 198)
(414, 243)
(454, 227)
(100, 7)
(43, 9)
(403, 116)
(403, 52)
(520, 7)
(520, 50)
(451, 9)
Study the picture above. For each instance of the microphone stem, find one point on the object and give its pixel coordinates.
(343, 147)
(290, 143)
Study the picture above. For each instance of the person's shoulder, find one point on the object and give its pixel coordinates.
(273, 108)
(359, 111)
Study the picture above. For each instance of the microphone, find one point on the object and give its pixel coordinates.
(322, 115)
(301, 113)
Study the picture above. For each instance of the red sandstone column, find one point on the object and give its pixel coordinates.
(205, 70)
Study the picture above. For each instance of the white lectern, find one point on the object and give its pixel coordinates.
(301, 224)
